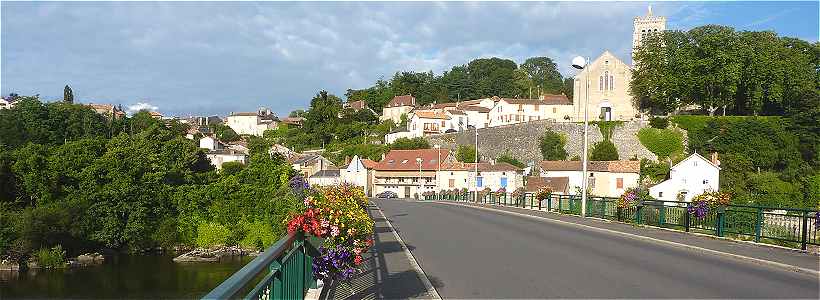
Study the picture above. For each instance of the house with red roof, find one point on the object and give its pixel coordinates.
(398, 106)
(408, 173)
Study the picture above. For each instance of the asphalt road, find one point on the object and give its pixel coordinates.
(472, 253)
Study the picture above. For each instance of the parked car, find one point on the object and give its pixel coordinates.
(387, 195)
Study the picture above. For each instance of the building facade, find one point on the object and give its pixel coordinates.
(609, 97)
(690, 177)
(644, 26)
(409, 173)
(604, 178)
(252, 123)
(512, 111)
(484, 175)
(398, 106)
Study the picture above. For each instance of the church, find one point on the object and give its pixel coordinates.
(606, 79)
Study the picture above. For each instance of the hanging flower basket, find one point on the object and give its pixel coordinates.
(338, 215)
(543, 194)
(707, 201)
(518, 192)
(501, 192)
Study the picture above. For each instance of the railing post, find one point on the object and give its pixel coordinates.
(686, 217)
(662, 215)
(549, 202)
(571, 206)
(603, 208)
(805, 231)
(719, 225)
(539, 204)
(759, 224)
(638, 217)
(560, 204)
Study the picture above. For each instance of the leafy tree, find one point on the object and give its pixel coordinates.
(232, 167)
(506, 158)
(410, 144)
(552, 146)
(544, 74)
(603, 151)
(466, 153)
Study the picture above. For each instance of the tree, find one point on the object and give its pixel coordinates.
(603, 151)
(544, 75)
(466, 153)
(506, 158)
(410, 144)
(68, 95)
(552, 146)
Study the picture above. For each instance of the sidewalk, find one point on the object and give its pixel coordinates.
(764, 252)
(386, 273)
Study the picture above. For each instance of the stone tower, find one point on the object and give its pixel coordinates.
(642, 26)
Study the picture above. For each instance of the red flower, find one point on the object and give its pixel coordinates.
(357, 260)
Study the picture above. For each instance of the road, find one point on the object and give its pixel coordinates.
(472, 253)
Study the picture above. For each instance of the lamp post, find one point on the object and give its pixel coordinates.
(580, 63)
(475, 165)
(438, 164)
(419, 161)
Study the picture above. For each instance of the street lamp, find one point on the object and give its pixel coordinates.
(580, 63)
(475, 166)
(419, 160)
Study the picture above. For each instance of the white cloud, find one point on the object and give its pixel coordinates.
(135, 108)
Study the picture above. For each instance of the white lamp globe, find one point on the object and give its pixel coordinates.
(578, 62)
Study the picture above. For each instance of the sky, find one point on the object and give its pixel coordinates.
(188, 58)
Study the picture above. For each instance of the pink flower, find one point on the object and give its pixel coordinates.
(334, 231)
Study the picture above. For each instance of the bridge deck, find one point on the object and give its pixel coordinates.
(474, 253)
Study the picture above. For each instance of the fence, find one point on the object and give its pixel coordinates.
(790, 227)
(288, 264)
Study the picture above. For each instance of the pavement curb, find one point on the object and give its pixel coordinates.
(415, 264)
(736, 257)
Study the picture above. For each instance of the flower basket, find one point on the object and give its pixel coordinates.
(707, 201)
(336, 215)
(543, 194)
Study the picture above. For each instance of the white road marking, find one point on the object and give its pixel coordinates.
(415, 264)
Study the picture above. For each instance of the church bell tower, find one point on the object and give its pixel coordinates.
(643, 26)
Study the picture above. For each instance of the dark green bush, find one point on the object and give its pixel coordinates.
(659, 123)
(604, 150)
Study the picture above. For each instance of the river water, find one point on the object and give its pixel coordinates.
(123, 276)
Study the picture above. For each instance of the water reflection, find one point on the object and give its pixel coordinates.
(124, 276)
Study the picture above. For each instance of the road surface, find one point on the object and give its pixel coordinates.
(472, 253)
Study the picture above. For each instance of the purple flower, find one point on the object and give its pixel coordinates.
(298, 185)
(817, 220)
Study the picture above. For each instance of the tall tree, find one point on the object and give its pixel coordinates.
(543, 73)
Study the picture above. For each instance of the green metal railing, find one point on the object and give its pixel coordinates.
(286, 269)
(790, 227)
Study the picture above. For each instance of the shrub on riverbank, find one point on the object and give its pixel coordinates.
(51, 258)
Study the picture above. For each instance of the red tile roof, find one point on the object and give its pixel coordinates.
(404, 100)
(619, 166)
(369, 164)
(428, 114)
(545, 100)
(405, 160)
(357, 105)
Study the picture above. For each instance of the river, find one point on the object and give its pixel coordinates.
(123, 276)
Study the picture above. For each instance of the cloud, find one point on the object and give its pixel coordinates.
(135, 108)
(216, 58)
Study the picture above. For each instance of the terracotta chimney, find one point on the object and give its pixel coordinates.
(714, 159)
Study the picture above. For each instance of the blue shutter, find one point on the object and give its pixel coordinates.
(504, 182)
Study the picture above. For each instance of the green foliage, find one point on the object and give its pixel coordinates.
(767, 189)
(370, 151)
(510, 160)
(655, 172)
(607, 127)
(49, 124)
(716, 67)
(659, 123)
(552, 146)
(604, 150)
(224, 132)
(466, 153)
(210, 234)
(53, 258)
(662, 142)
(259, 235)
(410, 144)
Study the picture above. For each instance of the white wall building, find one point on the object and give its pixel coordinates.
(458, 175)
(359, 173)
(325, 178)
(219, 157)
(398, 106)
(548, 107)
(252, 123)
(210, 143)
(604, 178)
(689, 178)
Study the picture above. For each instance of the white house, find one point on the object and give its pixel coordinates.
(397, 107)
(359, 173)
(688, 178)
(219, 157)
(604, 178)
(210, 143)
(548, 107)
(252, 123)
(458, 175)
(325, 178)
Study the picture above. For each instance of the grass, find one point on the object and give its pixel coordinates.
(662, 142)
(695, 122)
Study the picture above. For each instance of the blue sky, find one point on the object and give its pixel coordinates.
(186, 58)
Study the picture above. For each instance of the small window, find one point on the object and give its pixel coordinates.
(706, 181)
(660, 194)
(554, 110)
(619, 183)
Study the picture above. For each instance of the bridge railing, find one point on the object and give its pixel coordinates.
(790, 227)
(286, 269)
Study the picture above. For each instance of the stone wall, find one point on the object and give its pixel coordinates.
(521, 140)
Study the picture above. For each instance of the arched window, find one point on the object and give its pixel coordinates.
(600, 83)
(611, 82)
(606, 80)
